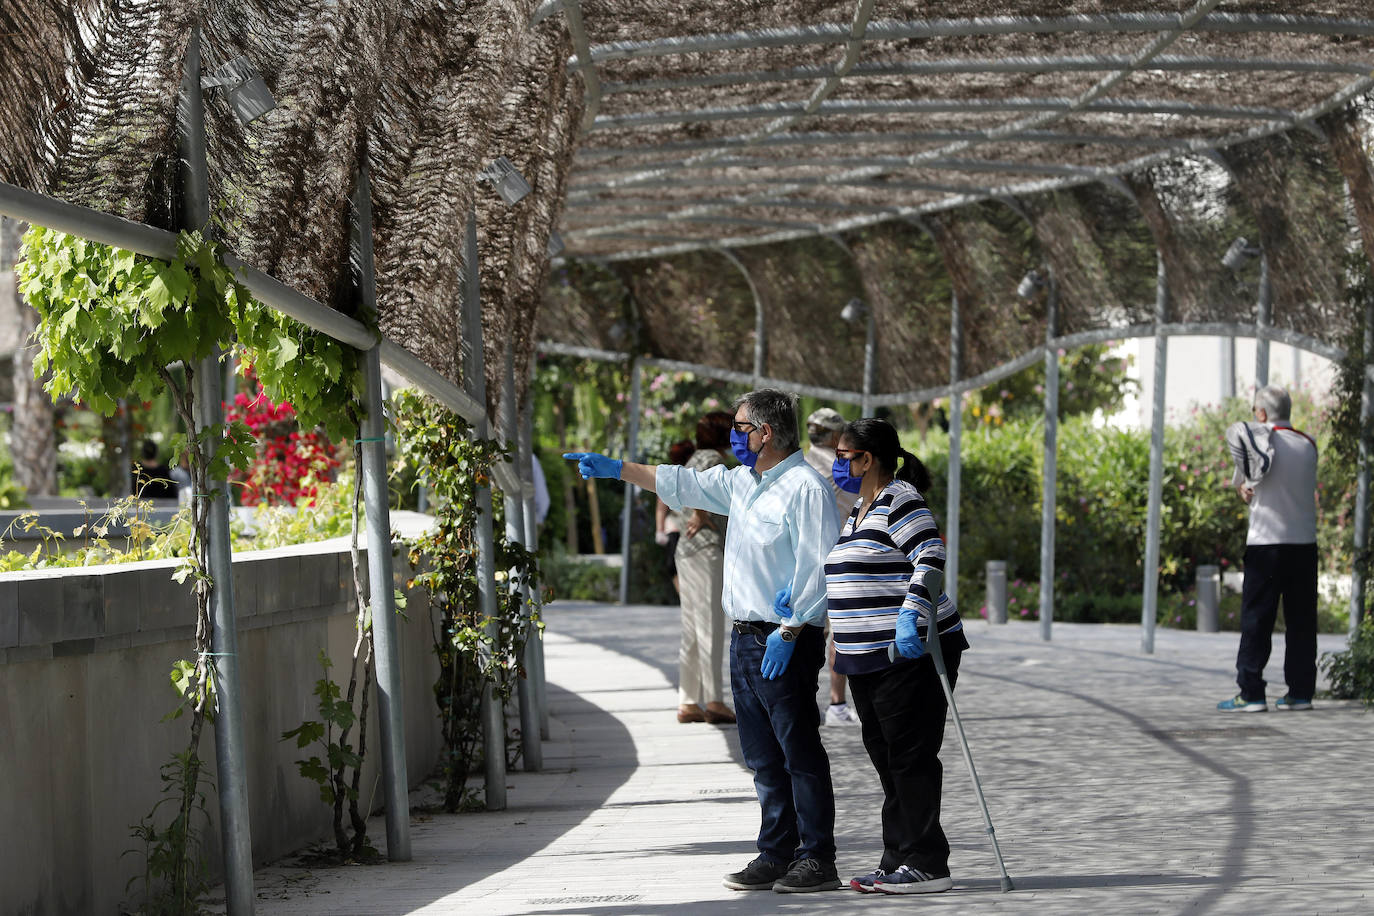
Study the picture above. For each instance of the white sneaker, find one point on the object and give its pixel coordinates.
(840, 714)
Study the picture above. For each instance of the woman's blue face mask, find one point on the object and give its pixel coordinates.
(739, 444)
(846, 481)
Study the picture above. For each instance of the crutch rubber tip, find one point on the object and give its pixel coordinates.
(1006, 884)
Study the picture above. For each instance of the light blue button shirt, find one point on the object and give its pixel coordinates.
(783, 523)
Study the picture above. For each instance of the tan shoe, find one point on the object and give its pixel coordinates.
(719, 714)
(690, 712)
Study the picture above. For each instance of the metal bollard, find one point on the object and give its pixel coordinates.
(1208, 598)
(997, 591)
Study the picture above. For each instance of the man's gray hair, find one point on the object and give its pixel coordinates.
(1275, 401)
(779, 410)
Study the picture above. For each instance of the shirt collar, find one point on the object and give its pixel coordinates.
(778, 469)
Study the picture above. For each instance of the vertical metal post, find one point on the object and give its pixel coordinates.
(1150, 597)
(870, 361)
(534, 644)
(1357, 577)
(381, 580)
(493, 713)
(760, 338)
(1227, 365)
(631, 491)
(1048, 479)
(531, 750)
(1264, 320)
(231, 377)
(229, 747)
(956, 463)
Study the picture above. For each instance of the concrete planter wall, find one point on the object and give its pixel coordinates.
(85, 656)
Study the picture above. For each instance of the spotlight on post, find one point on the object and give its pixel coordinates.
(1030, 284)
(244, 89)
(502, 175)
(853, 310)
(555, 245)
(1240, 251)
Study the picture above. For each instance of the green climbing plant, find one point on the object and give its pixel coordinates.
(435, 447)
(112, 324)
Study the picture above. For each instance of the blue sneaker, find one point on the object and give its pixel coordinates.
(864, 883)
(908, 880)
(1293, 703)
(1238, 703)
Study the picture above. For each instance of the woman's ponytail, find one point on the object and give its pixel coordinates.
(913, 471)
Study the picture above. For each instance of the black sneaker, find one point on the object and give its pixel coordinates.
(759, 875)
(808, 875)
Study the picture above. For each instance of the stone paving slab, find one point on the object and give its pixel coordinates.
(1113, 784)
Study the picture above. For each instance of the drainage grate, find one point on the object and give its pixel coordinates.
(748, 791)
(599, 898)
(1242, 732)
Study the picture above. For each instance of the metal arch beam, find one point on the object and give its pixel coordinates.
(751, 222)
(870, 379)
(799, 183)
(1171, 149)
(760, 330)
(981, 26)
(1032, 64)
(833, 138)
(545, 10)
(983, 379)
(780, 202)
(850, 107)
(892, 162)
(577, 31)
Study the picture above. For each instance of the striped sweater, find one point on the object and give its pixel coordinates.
(874, 573)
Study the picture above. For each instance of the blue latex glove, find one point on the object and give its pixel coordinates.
(782, 602)
(777, 653)
(590, 464)
(908, 643)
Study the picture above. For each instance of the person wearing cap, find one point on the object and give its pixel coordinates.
(823, 428)
(782, 526)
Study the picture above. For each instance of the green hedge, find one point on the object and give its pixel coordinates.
(1101, 508)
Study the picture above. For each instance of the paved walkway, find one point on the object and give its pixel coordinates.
(1113, 784)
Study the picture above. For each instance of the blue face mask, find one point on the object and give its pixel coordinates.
(739, 444)
(839, 472)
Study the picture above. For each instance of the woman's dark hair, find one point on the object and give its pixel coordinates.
(713, 430)
(680, 451)
(879, 439)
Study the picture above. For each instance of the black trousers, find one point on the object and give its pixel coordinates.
(902, 709)
(1274, 571)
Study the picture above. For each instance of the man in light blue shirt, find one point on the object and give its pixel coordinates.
(783, 523)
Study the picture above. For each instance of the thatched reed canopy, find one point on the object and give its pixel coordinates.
(429, 91)
(903, 153)
(948, 150)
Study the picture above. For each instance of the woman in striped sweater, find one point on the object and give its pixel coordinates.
(875, 577)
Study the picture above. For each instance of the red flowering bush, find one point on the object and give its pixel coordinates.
(289, 463)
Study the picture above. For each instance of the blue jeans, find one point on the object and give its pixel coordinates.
(779, 733)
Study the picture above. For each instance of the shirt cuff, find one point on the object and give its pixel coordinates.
(666, 483)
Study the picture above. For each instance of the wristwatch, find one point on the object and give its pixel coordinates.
(787, 635)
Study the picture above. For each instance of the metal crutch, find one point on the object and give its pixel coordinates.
(937, 655)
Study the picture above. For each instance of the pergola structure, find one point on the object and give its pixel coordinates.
(1086, 144)
(935, 154)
